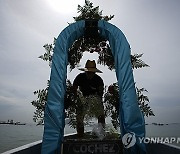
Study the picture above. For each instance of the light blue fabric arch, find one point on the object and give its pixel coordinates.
(131, 117)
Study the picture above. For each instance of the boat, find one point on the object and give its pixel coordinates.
(115, 146)
(18, 123)
(54, 119)
(11, 122)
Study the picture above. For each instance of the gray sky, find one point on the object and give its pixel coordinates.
(151, 27)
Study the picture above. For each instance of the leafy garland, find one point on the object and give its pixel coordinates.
(101, 46)
(111, 101)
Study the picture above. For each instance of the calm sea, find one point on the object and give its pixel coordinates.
(12, 136)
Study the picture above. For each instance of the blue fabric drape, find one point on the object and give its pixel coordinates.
(131, 118)
(54, 111)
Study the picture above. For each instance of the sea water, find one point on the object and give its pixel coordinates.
(12, 136)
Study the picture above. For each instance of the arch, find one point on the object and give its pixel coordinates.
(131, 118)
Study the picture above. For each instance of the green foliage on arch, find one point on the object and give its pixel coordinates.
(101, 46)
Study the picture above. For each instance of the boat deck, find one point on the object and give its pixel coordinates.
(92, 146)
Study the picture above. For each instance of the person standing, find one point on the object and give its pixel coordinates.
(89, 83)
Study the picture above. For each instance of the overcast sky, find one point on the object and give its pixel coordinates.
(151, 27)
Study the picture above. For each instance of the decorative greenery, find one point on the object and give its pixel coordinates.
(111, 101)
(39, 104)
(101, 46)
(144, 102)
(136, 62)
(88, 11)
(98, 44)
(47, 56)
